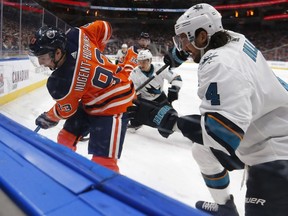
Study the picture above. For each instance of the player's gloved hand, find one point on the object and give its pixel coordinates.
(141, 111)
(218, 210)
(45, 122)
(173, 93)
(174, 58)
(151, 114)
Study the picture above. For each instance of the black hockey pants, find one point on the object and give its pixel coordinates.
(267, 189)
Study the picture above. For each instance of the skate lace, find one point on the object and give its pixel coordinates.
(209, 206)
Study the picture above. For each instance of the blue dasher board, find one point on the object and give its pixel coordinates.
(41, 177)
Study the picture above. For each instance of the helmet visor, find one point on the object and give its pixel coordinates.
(177, 42)
(180, 41)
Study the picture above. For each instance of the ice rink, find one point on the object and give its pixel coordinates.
(163, 164)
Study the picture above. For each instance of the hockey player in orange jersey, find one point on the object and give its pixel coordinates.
(90, 92)
(130, 60)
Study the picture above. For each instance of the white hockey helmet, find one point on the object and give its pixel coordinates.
(198, 16)
(144, 54)
(124, 46)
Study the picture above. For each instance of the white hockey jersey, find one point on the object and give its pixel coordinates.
(120, 55)
(244, 106)
(154, 88)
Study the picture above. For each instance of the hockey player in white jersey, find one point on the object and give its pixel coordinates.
(243, 116)
(154, 91)
(121, 53)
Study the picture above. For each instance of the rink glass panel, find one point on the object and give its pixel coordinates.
(18, 21)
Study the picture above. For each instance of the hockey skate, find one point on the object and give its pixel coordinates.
(229, 209)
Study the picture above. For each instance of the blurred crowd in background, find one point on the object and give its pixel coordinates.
(272, 42)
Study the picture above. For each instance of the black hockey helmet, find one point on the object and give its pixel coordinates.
(47, 39)
(144, 35)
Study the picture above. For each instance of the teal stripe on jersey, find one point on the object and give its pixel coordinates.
(222, 133)
(250, 50)
(283, 83)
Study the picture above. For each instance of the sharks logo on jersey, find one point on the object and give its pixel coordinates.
(207, 60)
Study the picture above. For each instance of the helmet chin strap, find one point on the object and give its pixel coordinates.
(201, 49)
(52, 56)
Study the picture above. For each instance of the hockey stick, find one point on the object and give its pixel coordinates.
(152, 77)
(84, 139)
(37, 129)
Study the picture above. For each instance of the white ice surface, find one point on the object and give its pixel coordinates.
(163, 164)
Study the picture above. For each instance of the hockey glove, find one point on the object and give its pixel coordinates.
(173, 93)
(151, 114)
(228, 208)
(174, 58)
(44, 121)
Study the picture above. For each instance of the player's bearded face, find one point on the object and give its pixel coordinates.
(144, 43)
(46, 60)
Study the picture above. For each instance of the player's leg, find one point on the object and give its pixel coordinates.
(107, 135)
(217, 180)
(74, 128)
(67, 139)
(215, 176)
(110, 163)
(267, 192)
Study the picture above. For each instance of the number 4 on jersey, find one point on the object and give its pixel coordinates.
(212, 94)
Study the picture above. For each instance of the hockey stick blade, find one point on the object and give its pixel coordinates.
(84, 139)
(152, 77)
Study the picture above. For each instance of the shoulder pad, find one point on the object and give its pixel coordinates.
(60, 81)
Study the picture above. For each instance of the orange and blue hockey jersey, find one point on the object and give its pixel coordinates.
(88, 76)
(130, 59)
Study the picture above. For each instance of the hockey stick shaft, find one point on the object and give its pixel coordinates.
(140, 87)
(37, 129)
(152, 77)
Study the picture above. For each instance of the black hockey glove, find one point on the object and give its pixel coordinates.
(174, 58)
(151, 114)
(228, 208)
(173, 93)
(44, 121)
